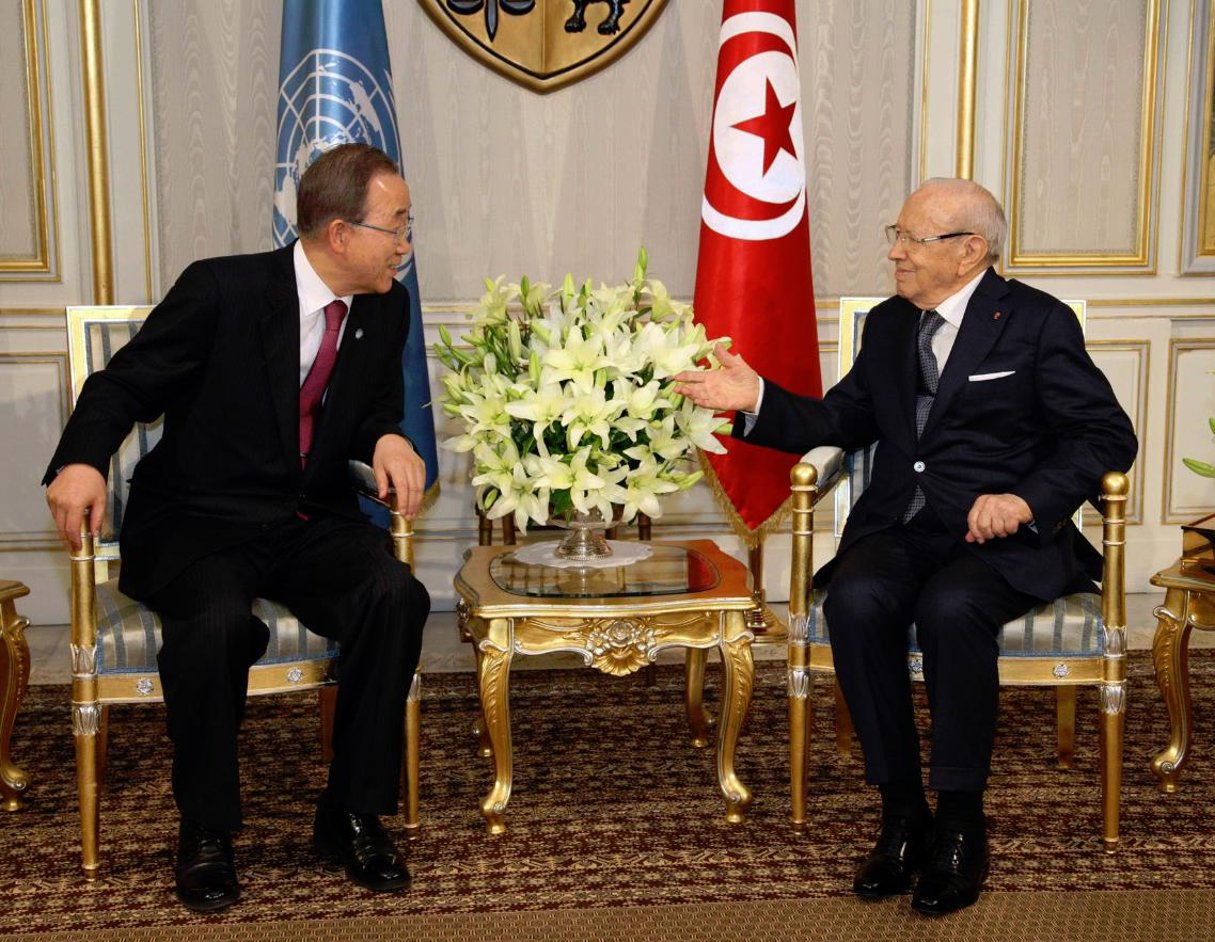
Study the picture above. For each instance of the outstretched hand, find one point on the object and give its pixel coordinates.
(733, 386)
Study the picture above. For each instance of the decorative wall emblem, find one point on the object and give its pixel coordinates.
(544, 44)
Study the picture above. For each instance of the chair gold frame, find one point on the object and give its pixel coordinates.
(95, 689)
(1104, 666)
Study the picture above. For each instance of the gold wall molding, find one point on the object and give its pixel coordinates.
(13, 540)
(968, 64)
(144, 178)
(1197, 236)
(97, 147)
(1102, 253)
(40, 264)
(1195, 441)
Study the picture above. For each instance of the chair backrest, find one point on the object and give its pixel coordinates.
(858, 466)
(95, 333)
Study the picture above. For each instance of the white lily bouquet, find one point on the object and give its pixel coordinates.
(568, 398)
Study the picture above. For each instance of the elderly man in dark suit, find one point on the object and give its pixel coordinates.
(271, 371)
(992, 425)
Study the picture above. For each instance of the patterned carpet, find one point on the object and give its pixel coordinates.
(611, 808)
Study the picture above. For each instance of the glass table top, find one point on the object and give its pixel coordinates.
(669, 570)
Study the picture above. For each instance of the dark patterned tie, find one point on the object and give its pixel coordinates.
(926, 391)
(313, 390)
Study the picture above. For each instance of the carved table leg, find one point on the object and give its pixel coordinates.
(14, 681)
(739, 670)
(694, 696)
(1170, 655)
(493, 673)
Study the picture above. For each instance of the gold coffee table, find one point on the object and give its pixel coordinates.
(688, 594)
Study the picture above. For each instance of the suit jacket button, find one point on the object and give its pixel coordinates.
(918, 467)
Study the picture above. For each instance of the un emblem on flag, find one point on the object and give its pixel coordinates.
(545, 44)
(328, 98)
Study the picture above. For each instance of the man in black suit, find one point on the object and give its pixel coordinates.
(992, 425)
(267, 388)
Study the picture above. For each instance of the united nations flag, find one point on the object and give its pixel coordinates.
(335, 86)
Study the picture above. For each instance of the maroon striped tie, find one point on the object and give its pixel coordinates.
(313, 389)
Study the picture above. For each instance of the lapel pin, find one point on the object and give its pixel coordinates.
(358, 334)
(997, 316)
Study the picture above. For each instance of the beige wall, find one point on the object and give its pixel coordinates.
(1083, 118)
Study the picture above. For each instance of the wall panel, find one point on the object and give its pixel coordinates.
(1085, 122)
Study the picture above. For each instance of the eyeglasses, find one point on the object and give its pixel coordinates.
(895, 235)
(401, 234)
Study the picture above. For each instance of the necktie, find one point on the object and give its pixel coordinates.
(317, 379)
(926, 391)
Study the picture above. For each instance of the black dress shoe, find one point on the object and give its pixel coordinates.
(206, 872)
(362, 845)
(953, 873)
(899, 850)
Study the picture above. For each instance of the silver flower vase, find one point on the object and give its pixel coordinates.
(586, 539)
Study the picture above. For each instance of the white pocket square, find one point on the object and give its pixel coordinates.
(984, 377)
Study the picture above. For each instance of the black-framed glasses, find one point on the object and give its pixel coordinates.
(401, 234)
(895, 235)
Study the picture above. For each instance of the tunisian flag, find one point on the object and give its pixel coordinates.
(753, 278)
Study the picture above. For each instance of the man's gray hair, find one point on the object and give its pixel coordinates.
(981, 212)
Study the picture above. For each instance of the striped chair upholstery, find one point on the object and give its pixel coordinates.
(115, 639)
(1076, 640)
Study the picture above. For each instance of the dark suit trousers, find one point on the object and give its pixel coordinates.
(878, 587)
(339, 578)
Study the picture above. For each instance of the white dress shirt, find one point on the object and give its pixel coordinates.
(314, 295)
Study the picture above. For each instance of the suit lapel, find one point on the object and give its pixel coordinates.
(280, 332)
(987, 314)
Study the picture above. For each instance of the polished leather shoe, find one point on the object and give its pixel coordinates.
(953, 873)
(206, 872)
(896, 856)
(362, 845)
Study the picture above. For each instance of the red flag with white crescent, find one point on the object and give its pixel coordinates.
(753, 280)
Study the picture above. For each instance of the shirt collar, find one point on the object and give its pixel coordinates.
(313, 293)
(953, 308)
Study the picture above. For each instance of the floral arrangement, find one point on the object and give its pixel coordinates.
(568, 401)
(1201, 467)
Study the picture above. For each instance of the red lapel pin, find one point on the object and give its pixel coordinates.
(996, 316)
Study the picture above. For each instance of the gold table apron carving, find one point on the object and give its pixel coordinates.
(617, 634)
(1189, 602)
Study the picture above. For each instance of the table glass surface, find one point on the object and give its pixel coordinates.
(669, 570)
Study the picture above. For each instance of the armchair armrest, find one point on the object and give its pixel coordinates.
(363, 479)
(828, 462)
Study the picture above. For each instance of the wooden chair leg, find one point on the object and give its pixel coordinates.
(85, 719)
(103, 745)
(843, 723)
(413, 730)
(801, 718)
(1113, 718)
(1065, 712)
(327, 704)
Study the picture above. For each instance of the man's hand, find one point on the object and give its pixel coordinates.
(734, 386)
(77, 488)
(398, 466)
(996, 515)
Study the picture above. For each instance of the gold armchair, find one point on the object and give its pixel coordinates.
(115, 639)
(1073, 641)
